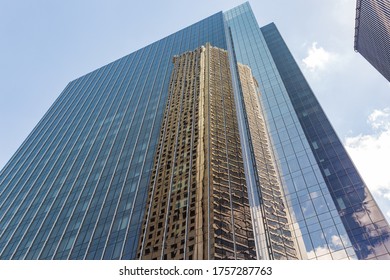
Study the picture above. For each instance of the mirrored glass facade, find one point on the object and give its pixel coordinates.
(77, 187)
(333, 213)
(117, 168)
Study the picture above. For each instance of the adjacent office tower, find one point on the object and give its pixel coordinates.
(372, 33)
(207, 144)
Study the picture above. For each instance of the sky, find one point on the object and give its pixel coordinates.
(45, 44)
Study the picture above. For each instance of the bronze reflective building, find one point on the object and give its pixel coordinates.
(198, 204)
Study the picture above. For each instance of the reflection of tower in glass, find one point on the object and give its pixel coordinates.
(276, 235)
(94, 180)
(198, 204)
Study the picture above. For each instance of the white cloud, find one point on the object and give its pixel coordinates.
(319, 251)
(337, 241)
(371, 153)
(380, 119)
(324, 252)
(317, 58)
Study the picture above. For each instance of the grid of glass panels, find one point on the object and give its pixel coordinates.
(77, 186)
(198, 204)
(318, 227)
(363, 220)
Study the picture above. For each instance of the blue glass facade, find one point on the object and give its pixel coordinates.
(78, 185)
(365, 225)
(332, 210)
(76, 188)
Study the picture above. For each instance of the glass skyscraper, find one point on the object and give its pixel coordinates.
(372, 33)
(207, 144)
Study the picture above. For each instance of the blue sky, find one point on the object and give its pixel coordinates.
(46, 44)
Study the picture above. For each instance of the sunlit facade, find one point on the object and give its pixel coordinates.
(207, 144)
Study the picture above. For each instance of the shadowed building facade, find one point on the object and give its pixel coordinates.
(223, 154)
(372, 33)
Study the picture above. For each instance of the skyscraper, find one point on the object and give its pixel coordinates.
(372, 33)
(207, 144)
